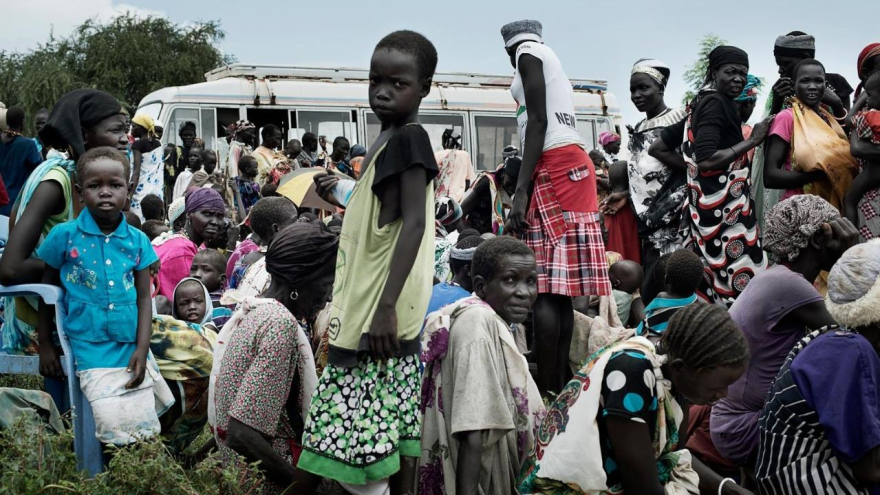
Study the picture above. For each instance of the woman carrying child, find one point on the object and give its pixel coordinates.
(103, 265)
(487, 204)
(865, 146)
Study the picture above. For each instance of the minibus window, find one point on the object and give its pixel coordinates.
(179, 116)
(208, 128)
(331, 124)
(434, 125)
(493, 134)
(151, 109)
(585, 129)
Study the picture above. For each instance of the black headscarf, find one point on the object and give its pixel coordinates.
(79, 109)
(300, 252)
(727, 55)
(187, 125)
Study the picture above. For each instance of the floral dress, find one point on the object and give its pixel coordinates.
(249, 191)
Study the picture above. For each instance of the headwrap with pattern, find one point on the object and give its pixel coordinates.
(792, 223)
(241, 126)
(146, 122)
(606, 138)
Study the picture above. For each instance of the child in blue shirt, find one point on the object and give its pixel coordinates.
(103, 265)
(682, 276)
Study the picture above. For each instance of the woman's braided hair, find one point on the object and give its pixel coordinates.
(704, 336)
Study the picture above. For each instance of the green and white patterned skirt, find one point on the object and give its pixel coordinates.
(362, 420)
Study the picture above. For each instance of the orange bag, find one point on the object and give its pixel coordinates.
(818, 146)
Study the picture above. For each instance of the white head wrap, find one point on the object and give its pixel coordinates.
(651, 67)
(854, 286)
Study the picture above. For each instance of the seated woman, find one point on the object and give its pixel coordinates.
(264, 371)
(683, 274)
(820, 428)
(489, 199)
(479, 402)
(81, 120)
(205, 214)
(804, 235)
(627, 404)
(807, 151)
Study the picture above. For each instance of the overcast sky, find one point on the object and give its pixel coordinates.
(593, 39)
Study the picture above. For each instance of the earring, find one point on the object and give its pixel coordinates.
(294, 295)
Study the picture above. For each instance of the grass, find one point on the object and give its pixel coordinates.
(34, 460)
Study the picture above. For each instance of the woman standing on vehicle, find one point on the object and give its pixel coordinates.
(561, 223)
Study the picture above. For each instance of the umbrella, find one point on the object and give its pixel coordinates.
(299, 187)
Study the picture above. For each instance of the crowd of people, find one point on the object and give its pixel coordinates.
(698, 315)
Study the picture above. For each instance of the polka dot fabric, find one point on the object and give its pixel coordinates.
(362, 419)
(628, 393)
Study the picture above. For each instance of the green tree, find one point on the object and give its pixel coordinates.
(695, 75)
(128, 57)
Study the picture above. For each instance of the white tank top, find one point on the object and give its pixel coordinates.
(561, 121)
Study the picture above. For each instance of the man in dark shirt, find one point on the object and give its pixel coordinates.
(18, 156)
(788, 51)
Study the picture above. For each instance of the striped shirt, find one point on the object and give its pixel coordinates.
(220, 314)
(802, 451)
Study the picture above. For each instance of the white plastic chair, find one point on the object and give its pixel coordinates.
(89, 456)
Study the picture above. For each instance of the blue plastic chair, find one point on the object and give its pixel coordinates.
(89, 455)
(4, 231)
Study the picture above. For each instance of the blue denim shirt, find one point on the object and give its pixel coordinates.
(97, 273)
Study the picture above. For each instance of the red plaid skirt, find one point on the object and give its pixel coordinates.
(576, 266)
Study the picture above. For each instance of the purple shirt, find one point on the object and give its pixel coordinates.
(760, 313)
(839, 375)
